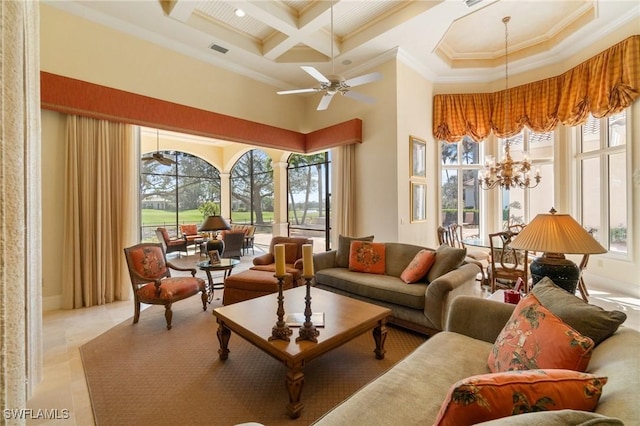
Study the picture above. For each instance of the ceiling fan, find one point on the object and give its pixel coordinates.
(157, 156)
(333, 83)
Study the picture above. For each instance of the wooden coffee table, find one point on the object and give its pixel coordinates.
(344, 319)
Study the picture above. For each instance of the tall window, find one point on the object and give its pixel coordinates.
(173, 194)
(460, 190)
(520, 206)
(252, 191)
(602, 168)
(308, 197)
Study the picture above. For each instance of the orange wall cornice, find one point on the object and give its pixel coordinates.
(71, 96)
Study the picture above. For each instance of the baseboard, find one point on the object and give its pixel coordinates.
(52, 303)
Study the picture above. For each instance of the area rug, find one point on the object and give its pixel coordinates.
(144, 374)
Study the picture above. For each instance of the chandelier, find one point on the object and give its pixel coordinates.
(507, 173)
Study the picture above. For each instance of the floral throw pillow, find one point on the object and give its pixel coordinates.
(367, 257)
(492, 396)
(534, 338)
(418, 267)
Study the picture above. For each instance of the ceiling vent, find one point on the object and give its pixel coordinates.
(471, 2)
(218, 48)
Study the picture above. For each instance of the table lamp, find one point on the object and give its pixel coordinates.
(556, 235)
(213, 224)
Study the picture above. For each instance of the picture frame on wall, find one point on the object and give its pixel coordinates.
(214, 257)
(418, 160)
(418, 202)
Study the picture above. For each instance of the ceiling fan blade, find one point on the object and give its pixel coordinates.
(360, 97)
(324, 102)
(316, 74)
(166, 161)
(363, 79)
(290, 92)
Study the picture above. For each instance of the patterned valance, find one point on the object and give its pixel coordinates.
(600, 86)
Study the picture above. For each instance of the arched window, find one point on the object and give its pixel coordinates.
(308, 196)
(177, 193)
(252, 191)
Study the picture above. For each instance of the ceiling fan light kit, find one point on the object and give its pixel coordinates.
(334, 84)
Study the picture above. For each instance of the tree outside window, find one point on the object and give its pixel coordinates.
(172, 195)
(252, 191)
(460, 190)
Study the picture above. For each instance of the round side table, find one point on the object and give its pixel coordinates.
(225, 265)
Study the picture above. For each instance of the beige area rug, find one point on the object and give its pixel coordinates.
(144, 374)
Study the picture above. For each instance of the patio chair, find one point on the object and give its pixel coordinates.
(152, 281)
(191, 236)
(233, 244)
(169, 244)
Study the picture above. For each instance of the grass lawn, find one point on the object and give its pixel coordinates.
(151, 217)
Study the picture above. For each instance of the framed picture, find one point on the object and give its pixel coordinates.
(418, 202)
(214, 257)
(418, 156)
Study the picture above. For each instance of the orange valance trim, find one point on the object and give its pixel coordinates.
(77, 97)
(601, 86)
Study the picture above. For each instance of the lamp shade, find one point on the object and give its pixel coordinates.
(214, 223)
(556, 233)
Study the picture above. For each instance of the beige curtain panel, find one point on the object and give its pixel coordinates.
(603, 85)
(100, 186)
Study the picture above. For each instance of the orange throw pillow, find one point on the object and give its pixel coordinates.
(418, 267)
(486, 397)
(535, 338)
(367, 257)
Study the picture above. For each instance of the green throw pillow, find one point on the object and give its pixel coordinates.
(447, 259)
(344, 245)
(588, 320)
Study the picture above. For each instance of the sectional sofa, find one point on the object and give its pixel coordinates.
(415, 389)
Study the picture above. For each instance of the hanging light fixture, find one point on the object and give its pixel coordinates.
(507, 173)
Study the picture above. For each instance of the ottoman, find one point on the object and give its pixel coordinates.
(250, 284)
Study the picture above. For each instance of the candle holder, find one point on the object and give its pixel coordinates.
(280, 330)
(308, 331)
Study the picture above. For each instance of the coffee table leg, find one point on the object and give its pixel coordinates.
(380, 335)
(294, 382)
(223, 337)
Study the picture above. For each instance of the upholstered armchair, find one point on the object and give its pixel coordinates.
(152, 281)
(293, 256)
(169, 244)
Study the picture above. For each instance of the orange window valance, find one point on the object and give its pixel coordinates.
(601, 86)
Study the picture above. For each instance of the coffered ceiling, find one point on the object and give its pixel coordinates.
(447, 41)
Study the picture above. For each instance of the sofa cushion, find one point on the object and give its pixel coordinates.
(344, 246)
(535, 338)
(589, 320)
(373, 286)
(492, 396)
(418, 267)
(447, 259)
(367, 257)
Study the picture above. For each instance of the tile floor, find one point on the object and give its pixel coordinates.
(64, 387)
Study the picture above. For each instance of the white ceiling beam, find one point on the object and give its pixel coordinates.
(181, 9)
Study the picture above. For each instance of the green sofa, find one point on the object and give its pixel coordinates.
(420, 306)
(412, 392)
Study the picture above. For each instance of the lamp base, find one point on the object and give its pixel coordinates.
(563, 272)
